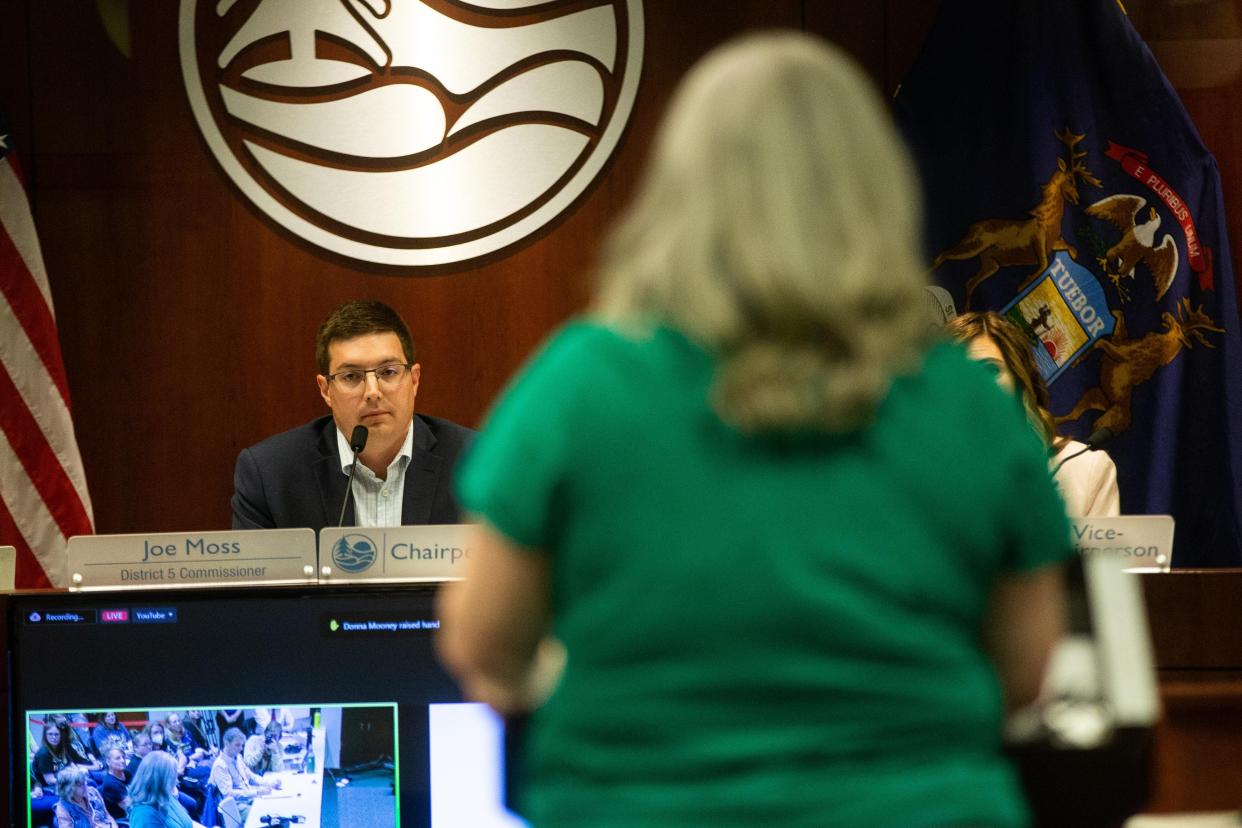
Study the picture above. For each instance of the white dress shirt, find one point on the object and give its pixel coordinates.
(377, 502)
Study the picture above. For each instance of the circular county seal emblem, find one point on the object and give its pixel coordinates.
(409, 133)
(353, 553)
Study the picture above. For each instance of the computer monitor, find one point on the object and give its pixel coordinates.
(349, 671)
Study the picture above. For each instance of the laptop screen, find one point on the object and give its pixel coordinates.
(342, 710)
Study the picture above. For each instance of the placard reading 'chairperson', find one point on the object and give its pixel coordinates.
(177, 559)
(394, 553)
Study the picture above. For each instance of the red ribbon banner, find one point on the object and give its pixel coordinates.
(1134, 163)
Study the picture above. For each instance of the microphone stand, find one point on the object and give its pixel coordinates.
(1082, 450)
(357, 442)
(1097, 439)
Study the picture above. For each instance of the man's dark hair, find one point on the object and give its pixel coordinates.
(360, 317)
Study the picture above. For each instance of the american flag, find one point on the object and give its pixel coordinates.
(43, 496)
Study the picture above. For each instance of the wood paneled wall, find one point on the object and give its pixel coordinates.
(187, 320)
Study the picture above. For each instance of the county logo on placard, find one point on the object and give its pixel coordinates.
(407, 133)
(354, 553)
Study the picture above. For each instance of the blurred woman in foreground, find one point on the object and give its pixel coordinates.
(726, 493)
(1087, 479)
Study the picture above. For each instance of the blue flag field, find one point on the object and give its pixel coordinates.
(1066, 187)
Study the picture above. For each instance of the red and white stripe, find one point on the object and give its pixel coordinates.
(43, 495)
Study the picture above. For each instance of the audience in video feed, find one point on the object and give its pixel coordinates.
(155, 730)
(79, 805)
(142, 746)
(114, 786)
(57, 751)
(193, 761)
(69, 725)
(178, 742)
(50, 757)
(83, 770)
(203, 731)
(110, 732)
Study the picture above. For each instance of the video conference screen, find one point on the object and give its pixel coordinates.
(331, 700)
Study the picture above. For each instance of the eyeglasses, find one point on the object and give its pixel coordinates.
(388, 376)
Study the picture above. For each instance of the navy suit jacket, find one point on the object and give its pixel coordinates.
(294, 479)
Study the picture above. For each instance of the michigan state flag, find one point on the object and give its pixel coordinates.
(1066, 187)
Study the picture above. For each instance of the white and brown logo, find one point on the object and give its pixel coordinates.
(412, 133)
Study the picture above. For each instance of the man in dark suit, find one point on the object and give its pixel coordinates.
(368, 376)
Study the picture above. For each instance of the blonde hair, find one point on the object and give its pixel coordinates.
(154, 780)
(66, 779)
(778, 226)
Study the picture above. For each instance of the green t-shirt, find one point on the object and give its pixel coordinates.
(761, 629)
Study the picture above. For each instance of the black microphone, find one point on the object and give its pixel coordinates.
(1097, 439)
(357, 442)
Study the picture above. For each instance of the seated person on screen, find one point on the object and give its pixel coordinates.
(203, 731)
(142, 746)
(193, 765)
(79, 805)
(231, 776)
(1088, 482)
(109, 732)
(179, 740)
(73, 740)
(115, 786)
(50, 757)
(55, 753)
(155, 804)
(159, 738)
(43, 766)
(263, 753)
(367, 376)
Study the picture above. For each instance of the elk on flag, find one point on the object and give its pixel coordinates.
(43, 496)
(1067, 188)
